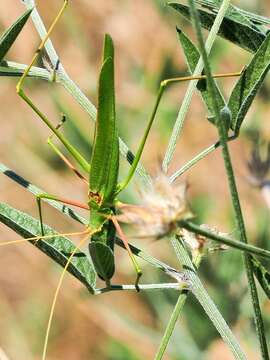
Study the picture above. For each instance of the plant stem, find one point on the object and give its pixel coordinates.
(163, 286)
(232, 184)
(188, 225)
(192, 86)
(171, 325)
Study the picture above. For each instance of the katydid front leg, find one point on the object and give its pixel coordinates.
(162, 87)
(39, 197)
(19, 88)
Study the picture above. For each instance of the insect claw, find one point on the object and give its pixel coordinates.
(139, 274)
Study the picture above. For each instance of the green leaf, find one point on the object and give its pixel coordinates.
(233, 28)
(192, 56)
(248, 85)
(58, 248)
(105, 156)
(10, 35)
(242, 15)
(262, 275)
(103, 259)
(108, 48)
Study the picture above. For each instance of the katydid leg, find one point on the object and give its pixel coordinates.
(126, 244)
(72, 150)
(81, 243)
(66, 160)
(39, 197)
(61, 155)
(162, 87)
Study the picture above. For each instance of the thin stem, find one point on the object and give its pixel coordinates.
(194, 161)
(144, 287)
(191, 88)
(232, 184)
(197, 158)
(188, 225)
(16, 69)
(171, 325)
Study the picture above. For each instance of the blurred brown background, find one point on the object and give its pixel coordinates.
(122, 325)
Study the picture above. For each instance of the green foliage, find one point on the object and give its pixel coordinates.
(10, 35)
(249, 84)
(262, 275)
(192, 56)
(58, 247)
(235, 27)
(244, 30)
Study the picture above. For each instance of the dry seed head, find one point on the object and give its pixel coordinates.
(162, 207)
(200, 245)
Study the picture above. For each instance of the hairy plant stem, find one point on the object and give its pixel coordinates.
(190, 226)
(191, 87)
(232, 184)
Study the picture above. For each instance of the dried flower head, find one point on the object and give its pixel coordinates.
(199, 245)
(163, 206)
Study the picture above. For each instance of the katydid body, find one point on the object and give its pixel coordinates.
(103, 168)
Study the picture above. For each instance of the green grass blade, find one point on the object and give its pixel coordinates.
(105, 156)
(57, 248)
(11, 34)
(232, 28)
(248, 84)
(192, 56)
(262, 275)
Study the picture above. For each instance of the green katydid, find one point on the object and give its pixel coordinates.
(103, 169)
(104, 166)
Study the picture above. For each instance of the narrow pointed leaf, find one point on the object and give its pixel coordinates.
(192, 56)
(241, 15)
(232, 28)
(10, 35)
(57, 248)
(105, 156)
(248, 84)
(108, 48)
(262, 275)
(103, 259)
